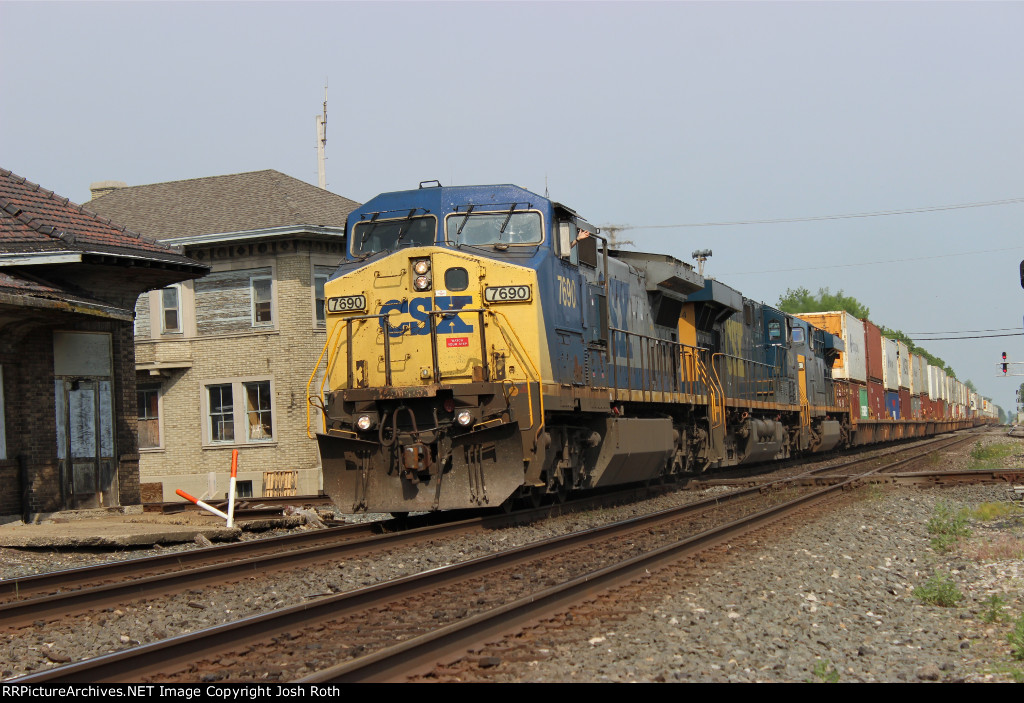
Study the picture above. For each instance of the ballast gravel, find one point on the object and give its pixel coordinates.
(830, 597)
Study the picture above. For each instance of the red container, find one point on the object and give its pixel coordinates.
(876, 399)
(926, 407)
(905, 404)
(873, 352)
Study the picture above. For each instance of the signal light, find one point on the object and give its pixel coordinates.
(1004, 363)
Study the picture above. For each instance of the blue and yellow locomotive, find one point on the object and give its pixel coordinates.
(485, 343)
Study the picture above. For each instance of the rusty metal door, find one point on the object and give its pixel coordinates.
(85, 443)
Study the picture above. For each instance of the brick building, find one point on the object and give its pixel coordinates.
(223, 361)
(68, 285)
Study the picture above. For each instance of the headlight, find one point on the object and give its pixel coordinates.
(422, 283)
(364, 422)
(464, 418)
(421, 266)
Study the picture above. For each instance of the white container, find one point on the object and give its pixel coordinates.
(903, 372)
(852, 363)
(890, 365)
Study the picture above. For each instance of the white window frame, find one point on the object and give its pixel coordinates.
(319, 313)
(163, 316)
(252, 300)
(239, 412)
(158, 389)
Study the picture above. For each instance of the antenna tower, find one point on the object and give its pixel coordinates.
(321, 144)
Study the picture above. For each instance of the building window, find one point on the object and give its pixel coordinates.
(258, 415)
(319, 280)
(149, 418)
(222, 418)
(261, 289)
(253, 423)
(170, 308)
(243, 489)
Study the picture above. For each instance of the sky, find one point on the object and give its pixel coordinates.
(654, 116)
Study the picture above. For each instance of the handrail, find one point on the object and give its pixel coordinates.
(309, 398)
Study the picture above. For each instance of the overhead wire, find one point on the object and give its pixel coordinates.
(817, 218)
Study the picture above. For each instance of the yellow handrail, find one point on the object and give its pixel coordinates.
(309, 398)
(531, 365)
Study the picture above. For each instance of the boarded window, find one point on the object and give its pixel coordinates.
(224, 301)
(149, 418)
(142, 319)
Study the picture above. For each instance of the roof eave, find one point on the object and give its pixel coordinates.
(224, 237)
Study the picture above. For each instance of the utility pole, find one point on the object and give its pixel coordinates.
(321, 144)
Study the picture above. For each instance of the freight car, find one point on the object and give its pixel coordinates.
(485, 343)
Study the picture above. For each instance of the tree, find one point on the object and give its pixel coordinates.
(800, 300)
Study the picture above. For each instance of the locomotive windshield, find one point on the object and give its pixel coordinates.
(494, 228)
(371, 237)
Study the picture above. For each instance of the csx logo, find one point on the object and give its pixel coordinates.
(419, 309)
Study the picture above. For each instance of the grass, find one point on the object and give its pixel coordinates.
(990, 454)
(939, 590)
(997, 549)
(993, 611)
(824, 672)
(994, 511)
(948, 524)
(1016, 639)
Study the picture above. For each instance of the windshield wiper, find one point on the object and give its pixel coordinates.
(465, 219)
(401, 230)
(507, 218)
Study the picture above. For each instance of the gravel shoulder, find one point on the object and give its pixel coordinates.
(832, 598)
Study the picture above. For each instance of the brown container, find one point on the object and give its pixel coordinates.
(873, 352)
(905, 412)
(876, 399)
(926, 407)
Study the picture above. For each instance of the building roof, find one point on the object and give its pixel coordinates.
(241, 202)
(38, 226)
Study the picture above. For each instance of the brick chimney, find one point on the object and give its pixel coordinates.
(103, 187)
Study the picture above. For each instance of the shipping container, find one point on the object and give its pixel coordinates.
(920, 375)
(876, 400)
(890, 364)
(903, 352)
(905, 407)
(916, 410)
(892, 405)
(851, 363)
(873, 351)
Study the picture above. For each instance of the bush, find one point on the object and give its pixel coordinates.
(948, 525)
(939, 590)
(1016, 638)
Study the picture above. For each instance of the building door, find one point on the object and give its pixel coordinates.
(83, 396)
(85, 443)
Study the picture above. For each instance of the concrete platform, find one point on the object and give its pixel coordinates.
(107, 530)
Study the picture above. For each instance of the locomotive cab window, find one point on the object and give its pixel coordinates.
(798, 335)
(372, 237)
(566, 236)
(494, 228)
(775, 331)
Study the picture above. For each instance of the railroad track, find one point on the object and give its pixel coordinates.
(265, 637)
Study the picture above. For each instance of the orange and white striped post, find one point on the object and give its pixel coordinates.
(231, 488)
(202, 504)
